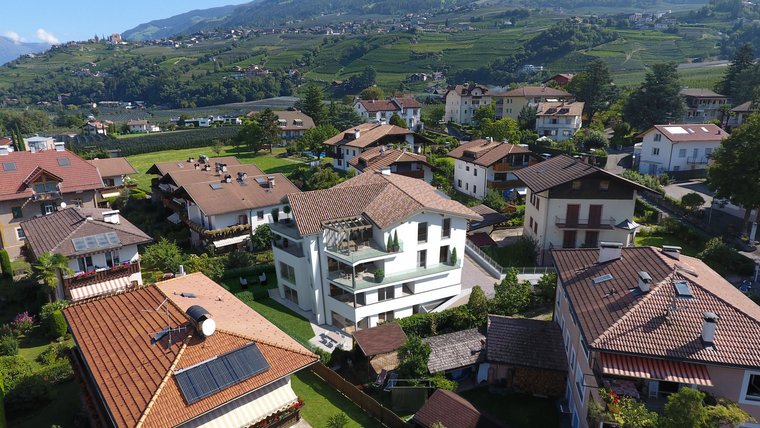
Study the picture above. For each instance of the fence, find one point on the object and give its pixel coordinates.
(543, 270)
(364, 401)
(484, 259)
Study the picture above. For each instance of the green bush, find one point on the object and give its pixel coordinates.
(5, 264)
(8, 345)
(324, 356)
(57, 325)
(48, 308)
(13, 370)
(433, 323)
(240, 259)
(725, 260)
(650, 181)
(439, 381)
(644, 212)
(57, 373)
(30, 393)
(53, 354)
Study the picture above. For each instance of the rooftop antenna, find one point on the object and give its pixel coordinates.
(166, 331)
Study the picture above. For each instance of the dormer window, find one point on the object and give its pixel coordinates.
(45, 186)
(576, 185)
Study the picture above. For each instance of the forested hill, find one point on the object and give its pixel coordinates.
(177, 24)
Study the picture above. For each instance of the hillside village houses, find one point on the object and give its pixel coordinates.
(674, 148)
(486, 164)
(356, 140)
(463, 100)
(293, 124)
(142, 126)
(704, 105)
(95, 127)
(559, 120)
(377, 247)
(381, 110)
(400, 161)
(115, 174)
(740, 113)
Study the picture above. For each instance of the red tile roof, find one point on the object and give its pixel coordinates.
(378, 340)
(134, 376)
(113, 167)
(447, 408)
(467, 89)
(690, 132)
(78, 175)
(369, 134)
(486, 152)
(290, 118)
(560, 109)
(534, 91)
(481, 239)
(394, 104)
(380, 157)
(162, 168)
(659, 323)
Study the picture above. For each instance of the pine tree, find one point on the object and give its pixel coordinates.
(312, 106)
(18, 140)
(656, 100)
(743, 59)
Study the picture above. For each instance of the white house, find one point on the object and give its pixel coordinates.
(142, 126)
(95, 127)
(463, 100)
(381, 110)
(703, 105)
(572, 204)
(488, 164)
(354, 141)
(100, 245)
(38, 144)
(377, 247)
(559, 120)
(673, 148)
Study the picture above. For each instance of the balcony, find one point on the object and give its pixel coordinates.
(97, 276)
(584, 223)
(46, 196)
(363, 280)
(347, 299)
(290, 247)
(286, 228)
(413, 174)
(351, 252)
(697, 161)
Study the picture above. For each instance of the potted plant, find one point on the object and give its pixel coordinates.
(275, 215)
(395, 241)
(389, 245)
(453, 258)
(379, 275)
(286, 210)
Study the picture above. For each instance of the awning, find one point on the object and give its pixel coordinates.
(655, 369)
(110, 194)
(230, 241)
(246, 411)
(110, 286)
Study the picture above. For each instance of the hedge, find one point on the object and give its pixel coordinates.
(249, 271)
(148, 143)
(5, 264)
(3, 423)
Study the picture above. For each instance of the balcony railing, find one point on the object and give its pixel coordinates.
(290, 247)
(367, 279)
(585, 223)
(97, 276)
(352, 252)
(697, 161)
(46, 196)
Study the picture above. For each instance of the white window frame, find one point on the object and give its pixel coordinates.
(655, 151)
(20, 234)
(743, 392)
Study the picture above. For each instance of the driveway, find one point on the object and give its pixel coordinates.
(677, 190)
(473, 274)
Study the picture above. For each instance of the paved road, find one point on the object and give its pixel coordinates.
(677, 190)
(473, 274)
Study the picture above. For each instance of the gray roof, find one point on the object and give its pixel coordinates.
(525, 342)
(455, 350)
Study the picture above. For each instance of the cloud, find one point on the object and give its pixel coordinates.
(13, 36)
(46, 37)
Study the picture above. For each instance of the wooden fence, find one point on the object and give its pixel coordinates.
(367, 403)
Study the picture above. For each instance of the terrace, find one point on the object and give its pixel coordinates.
(84, 279)
(353, 241)
(362, 276)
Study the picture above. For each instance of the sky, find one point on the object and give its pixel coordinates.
(58, 21)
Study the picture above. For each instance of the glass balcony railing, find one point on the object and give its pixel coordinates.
(352, 252)
(364, 280)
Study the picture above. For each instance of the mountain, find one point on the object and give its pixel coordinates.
(10, 50)
(177, 24)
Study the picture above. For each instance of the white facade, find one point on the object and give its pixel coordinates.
(347, 152)
(317, 281)
(660, 155)
(254, 217)
(470, 178)
(411, 116)
(117, 258)
(558, 128)
(460, 107)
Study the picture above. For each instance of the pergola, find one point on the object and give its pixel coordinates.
(346, 227)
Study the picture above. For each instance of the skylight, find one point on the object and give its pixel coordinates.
(64, 162)
(682, 290)
(675, 130)
(603, 278)
(93, 242)
(216, 186)
(9, 166)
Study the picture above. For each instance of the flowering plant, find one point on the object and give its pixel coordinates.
(23, 323)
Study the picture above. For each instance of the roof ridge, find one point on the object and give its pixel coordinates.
(82, 221)
(719, 297)
(164, 381)
(266, 342)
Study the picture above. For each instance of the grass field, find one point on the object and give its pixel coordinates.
(659, 241)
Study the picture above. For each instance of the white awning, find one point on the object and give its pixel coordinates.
(230, 241)
(248, 410)
(110, 286)
(110, 194)
(174, 218)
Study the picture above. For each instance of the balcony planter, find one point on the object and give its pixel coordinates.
(379, 275)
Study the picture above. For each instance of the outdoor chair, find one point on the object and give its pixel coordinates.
(243, 282)
(381, 378)
(391, 382)
(263, 278)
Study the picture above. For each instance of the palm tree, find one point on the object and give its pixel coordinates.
(47, 267)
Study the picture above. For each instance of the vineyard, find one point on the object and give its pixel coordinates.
(186, 139)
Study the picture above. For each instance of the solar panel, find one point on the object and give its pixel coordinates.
(93, 242)
(113, 238)
(79, 244)
(215, 186)
(9, 166)
(216, 374)
(682, 289)
(64, 162)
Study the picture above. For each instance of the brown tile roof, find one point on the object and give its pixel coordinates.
(525, 342)
(490, 217)
(486, 152)
(394, 104)
(135, 377)
(239, 195)
(78, 175)
(615, 319)
(466, 89)
(384, 199)
(481, 239)
(700, 93)
(690, 132)
(379, 340)
(162, 168)
(380, 157)
(137, 122)
(183, 177)
(455, 350)
(369, 134)
(562, 169)
(54, 232)
(560, 109)
(290, 120)
(534, 91)
(113, 167)
(449, 409)
(744, 107)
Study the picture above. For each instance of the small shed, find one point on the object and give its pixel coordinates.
(491, 218)
(450, 410)
(379, 345)
(456, 353)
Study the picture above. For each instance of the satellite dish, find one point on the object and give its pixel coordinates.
(208, 327)
(63, 205)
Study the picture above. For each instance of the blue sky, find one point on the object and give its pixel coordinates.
(64, 20)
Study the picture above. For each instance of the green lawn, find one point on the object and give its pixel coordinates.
(515, 410)
(659, 241)
(269, 163)
(322, 401)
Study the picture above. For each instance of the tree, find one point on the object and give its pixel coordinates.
(313, 139)
(433, 114)
(366, 79)
(163, 256)
(372, 93)
(484, 113)
(727, 414)
(656, 100)
(478, 305)
(736, 167)
(594, 87)
(692, 201)
(217, 146)
(742, 60)
(49, 266)
(527, 117)
(5, 264)
(251, 134)
(262, 237)
(502, 129)
(210, 266)
(57, 324)
(684, 409)
(494, 200)
(18, 140)
(343, 116)
(413, 358)
(311, 104)
(546, 288)
(338, 420)
(511, 296)
(271, 133)
(397, 121)
(323, 178)
(586, 139)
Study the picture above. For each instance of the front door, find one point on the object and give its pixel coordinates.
(595, 215)
(568, 239)
(573, 210)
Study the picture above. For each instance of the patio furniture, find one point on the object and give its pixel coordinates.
(263, 278)
(381, 378)
(622, 387)
(333, 336)
(391, 382)
(243, 282)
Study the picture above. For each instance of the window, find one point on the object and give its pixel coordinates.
(459, 183)
(538, 203)
(287, 272)
(112, 258)
(531, 222)
(475, 172)
(291, 294)
(17, 212)
(682, 153)
(579, 382)
(446, 228)
(20, 234)
(422, 232)
(750, 388)
(85, 263)
(385, 317)
(474, 189)
(656, 151)
(385, 293)
(443, 255)
(576, 185)
(260, 215)
(585, 349)
(422, 258)
(467, 168)
(708, 152)
(592, 239)
(535, 227)
(657, 137)
(604, 185)
(48, 209)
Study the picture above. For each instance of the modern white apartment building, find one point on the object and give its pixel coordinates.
(377, 247)
(463, 100)
(559, 120)
(673, 148)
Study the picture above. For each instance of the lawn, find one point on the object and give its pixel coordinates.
(323, 401)
(514, 410)
(660, 240)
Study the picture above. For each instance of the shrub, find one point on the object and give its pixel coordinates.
(164, 256)
(454, 256)
(57, 373)
(8, 345)
(441, 382)
(54, 353)
(30, 393)
(379, 275)
(494, 200)
(240, 259)
(650, 181)
(48, 308)
(478, 305)
(212, 267)
(23, 323)
(57, 325)
(338, 420)
(13, 369)
(692, 201)
(5, 264)
(724, 259)
(546, 287)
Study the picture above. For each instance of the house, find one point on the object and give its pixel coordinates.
(449, 409)
(223, 204)
(186, 352)
(741, 112)
(643, 322)
(380, 345)
(37, 143)
(570, 204)
(673, 148)
(115, 174)
(95, 127)
(486, 164)
(381, 110)
(161, 188)
(704, 105)
(39, 183)
(491, 218)
(374, 248)
(456, 354)
(100, 245)
(526, 355)
(142, 126)
(559, 120)
(354, 141)
(463, 100)
(511, 103)
(293, 124)
(418, 77)
(400, 161)
(561, 79)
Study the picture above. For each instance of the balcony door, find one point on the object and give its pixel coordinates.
(595, 215)
(569, 239)
(571, 216)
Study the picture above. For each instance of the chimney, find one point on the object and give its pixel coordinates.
(672, 251)
(201, 320)
(357, 133)
(227, 178)
(609, 251)
(112, 217)
(197, 166)
(709, 325)
(270, 182)
(59, 146)
(181, 270)
(645, 282)
(224, 167)
(386, 170)
(190, 160)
